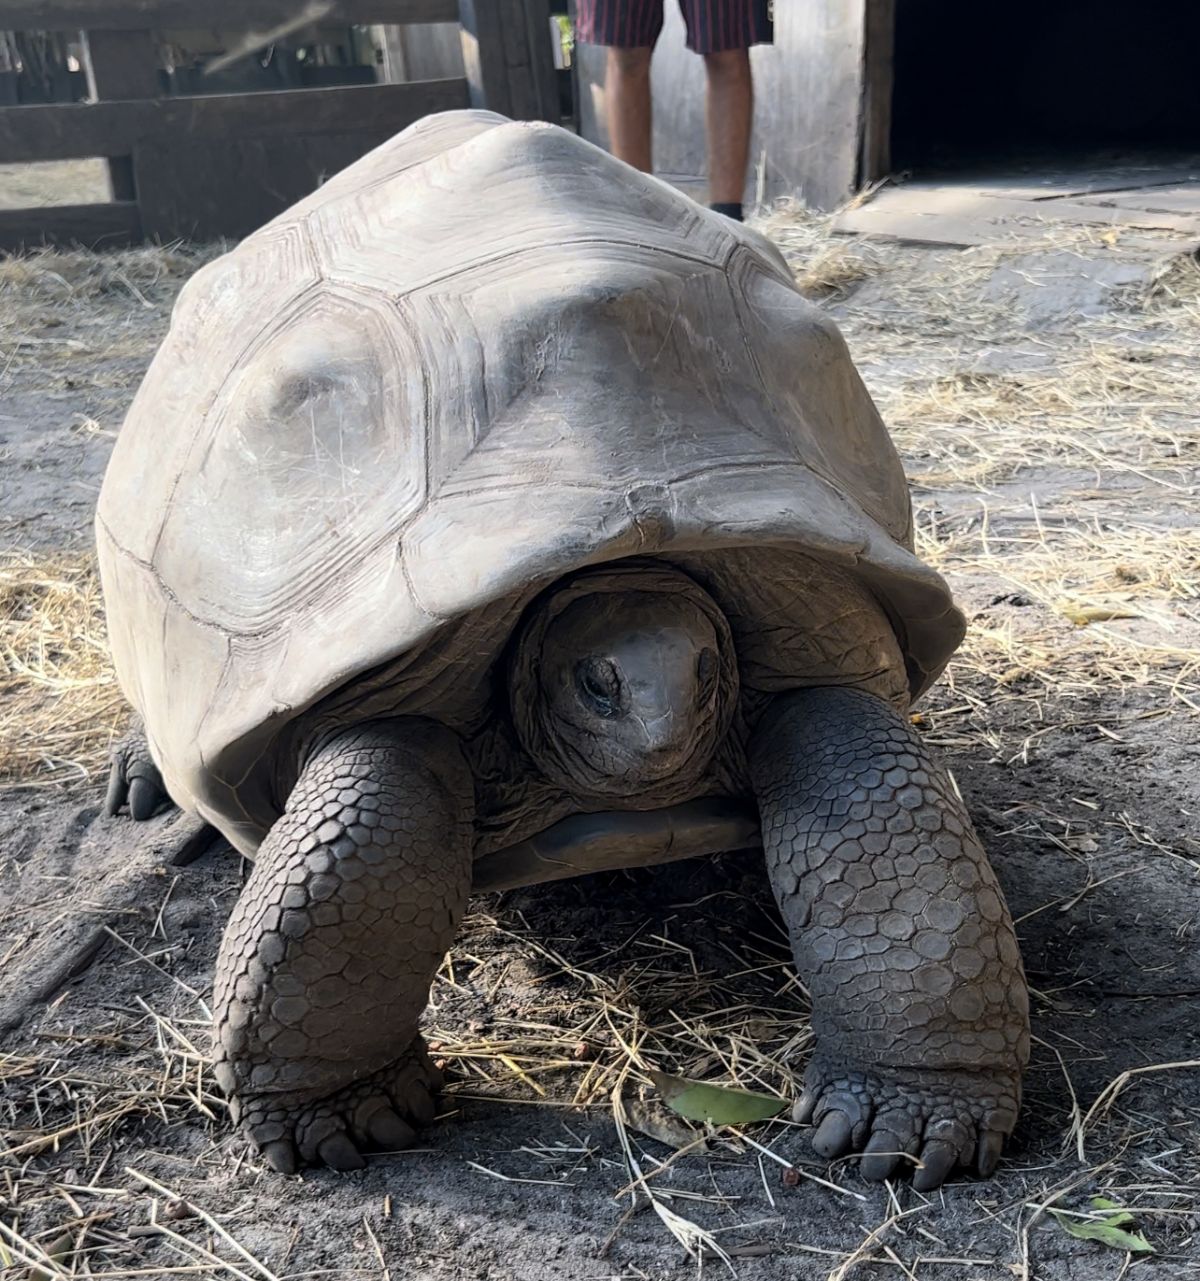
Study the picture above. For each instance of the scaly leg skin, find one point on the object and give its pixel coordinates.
(133, 778)
(325, 966)
(900, 931)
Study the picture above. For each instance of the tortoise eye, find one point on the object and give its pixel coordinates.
(599, 685)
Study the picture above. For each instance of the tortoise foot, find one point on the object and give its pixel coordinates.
(134, 780)
(931, 1120)
(381, 1112)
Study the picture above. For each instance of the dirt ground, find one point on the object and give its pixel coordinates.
(1044, 399)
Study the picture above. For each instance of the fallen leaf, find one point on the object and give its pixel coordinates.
(654, 1121)
(718, 1104)
(1082, 615)
(58, 1252)
(1106, 1231)
(1118, 1220)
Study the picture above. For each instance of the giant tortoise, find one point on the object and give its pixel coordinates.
(497, 514)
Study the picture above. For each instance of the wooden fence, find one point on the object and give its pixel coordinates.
(213, 165)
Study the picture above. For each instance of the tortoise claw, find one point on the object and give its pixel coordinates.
(833, 1135)
(134, 779)
(118, 787)
(991, 1144)
(881, 1156)
(389, 1131)
(938, 1158)
(339, 1153)
(144, 799)
(281, 1156)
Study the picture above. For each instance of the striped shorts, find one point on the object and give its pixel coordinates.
(713, 26)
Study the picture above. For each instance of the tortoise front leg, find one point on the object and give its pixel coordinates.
(900, 932)
(326, 963)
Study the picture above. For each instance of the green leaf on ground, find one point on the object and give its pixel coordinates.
(718, 1104)
(1108, 1231)
(1118, 1220)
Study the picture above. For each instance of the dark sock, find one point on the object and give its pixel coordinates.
(730, 210)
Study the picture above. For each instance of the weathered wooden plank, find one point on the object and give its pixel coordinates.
(120, 65)
(106, 226)
(69, 131)
(1176, 198)
(1044, 183)
(920, 228)
(163, 15)
(962, 202)
(508, 59)
(421, 52)
(879, 45)
(961, 216)
(530, 55)
(205, 190)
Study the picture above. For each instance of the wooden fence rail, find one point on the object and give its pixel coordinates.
(166, 15)
(205, 166)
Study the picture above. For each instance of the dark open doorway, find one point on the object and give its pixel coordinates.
(992, 120)
(1029, 78)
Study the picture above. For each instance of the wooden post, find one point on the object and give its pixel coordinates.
(393, 70)
(426, 51)
(875, 160)
(120, 65)
(508, 58)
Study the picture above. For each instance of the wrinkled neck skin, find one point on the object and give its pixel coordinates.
(623, 685)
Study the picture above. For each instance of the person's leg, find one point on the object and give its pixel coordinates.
(729, 115)
(722, 32)
(629, 28)
(627, 89)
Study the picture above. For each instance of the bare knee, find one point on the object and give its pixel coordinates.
(730, 66)
(632, 64)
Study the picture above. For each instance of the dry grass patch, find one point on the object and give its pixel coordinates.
(825, 268)
(1055, 472)
(88, 322)
(56, 276)
(1100, 612)
(61, 704)
(1117, 408)
(630, 1013)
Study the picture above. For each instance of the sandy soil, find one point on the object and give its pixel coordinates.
(1054, 451)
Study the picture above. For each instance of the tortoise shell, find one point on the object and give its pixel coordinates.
(484, 356)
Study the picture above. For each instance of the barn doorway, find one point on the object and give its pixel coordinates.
(1093, 104)
(1059, 78)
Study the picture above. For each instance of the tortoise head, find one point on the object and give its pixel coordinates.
(624, 682)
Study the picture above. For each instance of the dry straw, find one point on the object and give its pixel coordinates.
(59, 703)
(63, 315)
